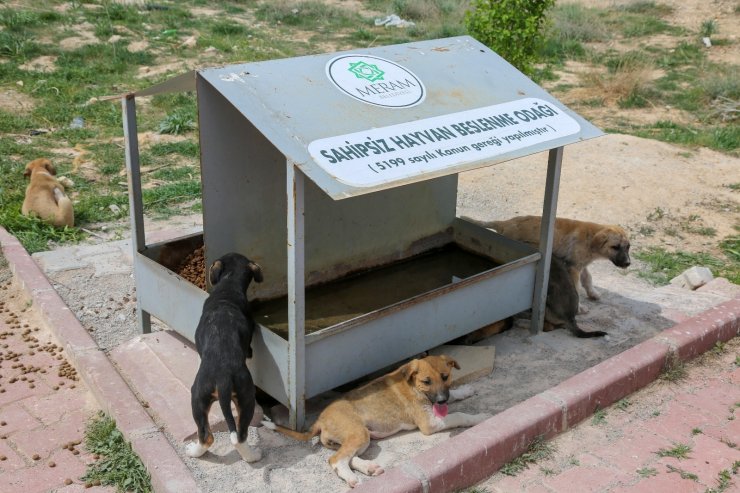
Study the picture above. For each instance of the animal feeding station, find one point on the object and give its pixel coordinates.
(337, 173)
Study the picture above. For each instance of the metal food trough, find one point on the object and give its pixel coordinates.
(335, 170)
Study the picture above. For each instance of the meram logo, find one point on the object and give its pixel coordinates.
(375, 81)
(363, 70)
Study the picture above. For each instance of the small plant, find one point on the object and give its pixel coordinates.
(118, 466)
(511, 28)
(656, 413)
(623, 404)
(696, 431)
(674, 369)
(684, 474)
(678, 451)
(728, 442)
(573, 461)
(538, 450)
(647, 472)
(724, 481)
(708, 27)
(547, 471)
(599, 417)
(657, 214)
(719, 348)
(177, 122)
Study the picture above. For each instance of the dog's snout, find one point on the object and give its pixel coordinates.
(442, 397)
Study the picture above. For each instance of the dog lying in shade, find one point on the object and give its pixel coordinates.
(45, 196)
(413, 396)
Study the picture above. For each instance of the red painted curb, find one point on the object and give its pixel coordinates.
(168, 472)
(478, 452)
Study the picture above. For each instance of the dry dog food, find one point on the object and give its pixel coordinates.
(193, 268)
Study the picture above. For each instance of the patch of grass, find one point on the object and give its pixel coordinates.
(674, 370)
(682, 473)
(647, 7)
(708, 27)
(664, 266)
(623, 404)
(599, 417)
(647, 472)
(118, 466)
(678, 451)
(306, 15)
(538, 450)
(178, 122)
(547, 471)
(696, 431)
(724, 481)
(185, 148)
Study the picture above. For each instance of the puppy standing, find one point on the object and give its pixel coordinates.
(223, 339)
(45, 195)
(413, 396)
(578, 243)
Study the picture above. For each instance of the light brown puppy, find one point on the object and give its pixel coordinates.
(578, 243)
(45, 195)
(413, 396)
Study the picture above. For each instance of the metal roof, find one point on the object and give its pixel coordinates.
(370, 119)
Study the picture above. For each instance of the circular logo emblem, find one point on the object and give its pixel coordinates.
(375, 81)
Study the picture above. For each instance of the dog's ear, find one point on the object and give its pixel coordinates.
(214, 273)
(256, 271)
(50, 167)
(451, 362)
(600, 239)
(27, 172)
(410, 369)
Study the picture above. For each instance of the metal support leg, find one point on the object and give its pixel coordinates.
(135, 202)
(547, 228)
(296, 298)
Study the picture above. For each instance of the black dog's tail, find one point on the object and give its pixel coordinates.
(578, 332)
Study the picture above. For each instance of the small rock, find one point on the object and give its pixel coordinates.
(693, 278)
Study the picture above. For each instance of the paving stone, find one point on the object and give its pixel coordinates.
(44, 441)
(12, 461)
(16, 418)
(59, 260)
(587, 478)
(662, 483)
(54, 407)
(41, 478)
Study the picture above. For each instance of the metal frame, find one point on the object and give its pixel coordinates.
(254, 127)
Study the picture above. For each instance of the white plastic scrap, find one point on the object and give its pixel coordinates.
(393, 21)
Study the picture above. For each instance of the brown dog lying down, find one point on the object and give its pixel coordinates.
(578, 243)
(562, 301)
(45, 195)
(413, 396)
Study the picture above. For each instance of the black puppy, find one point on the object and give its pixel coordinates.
(562, 301)
(223, 339)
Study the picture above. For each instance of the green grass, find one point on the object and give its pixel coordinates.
(682, 473)
(662, 265)
(538, 450)
(599, 417)
(623, 404)
(674, 370)
(118, 466)
(678, 451)
(647, 472)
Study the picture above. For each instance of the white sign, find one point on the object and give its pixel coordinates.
(376, 81)
(381, 155)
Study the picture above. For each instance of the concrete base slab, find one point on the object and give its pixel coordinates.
(475, 361)
(160, 368)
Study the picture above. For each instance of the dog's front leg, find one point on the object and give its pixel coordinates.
(588, 285)
(452, 420)
(461, 392)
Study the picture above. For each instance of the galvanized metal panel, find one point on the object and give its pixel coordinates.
(292, 102)
(384, 340)
(243, 180)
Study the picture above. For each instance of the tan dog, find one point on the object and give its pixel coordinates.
(45, 195)
(413, 396)
(578, 243)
